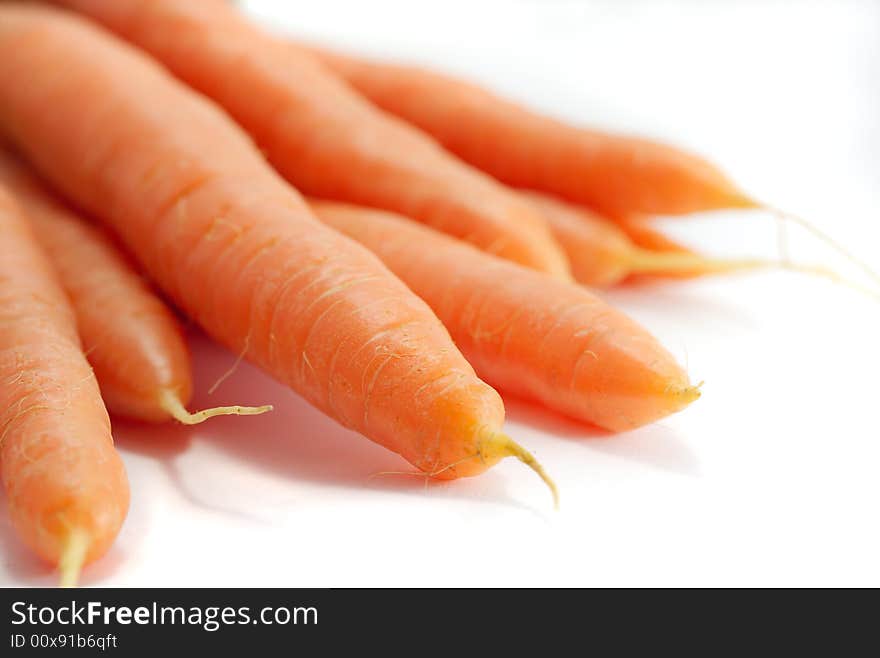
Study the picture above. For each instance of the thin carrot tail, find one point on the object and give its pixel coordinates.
(662, 262)
(832, 276)
(644, 261)
(171, 403)
(497, 445)
(827, 239)
(649, 262)
(73, 557)
(502, 445)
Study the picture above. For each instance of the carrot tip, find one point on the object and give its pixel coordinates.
(73, 557)
(644, 261)
(510, 448)
(744, 201)
(689, 394)
(171, 403)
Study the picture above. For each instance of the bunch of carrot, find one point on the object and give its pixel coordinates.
(386, 326)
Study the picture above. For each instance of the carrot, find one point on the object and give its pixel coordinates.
(132, 340)
(550, 341)
(322, 136)
(236, 248)
(599, 252)
(65, 484)
(603, 254)
(617, 175)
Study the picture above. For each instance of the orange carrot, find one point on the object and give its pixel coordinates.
(599, 252)
(236, 248)
(551, 341)
(65, 484)
(602, 253)
(130, 337)
(617, 175)
(322, 136)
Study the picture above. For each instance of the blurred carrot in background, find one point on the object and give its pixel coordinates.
(617, 175)
(322, 136)
(620, 177)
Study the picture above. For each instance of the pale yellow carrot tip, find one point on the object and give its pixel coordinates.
(690, 393)
(171, 403)
(73, 557)
(507, 447)
(644, 261)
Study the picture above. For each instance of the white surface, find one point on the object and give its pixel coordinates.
(769, 479)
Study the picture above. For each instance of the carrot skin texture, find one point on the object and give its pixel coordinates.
(236, 247)
(321, 135)
(617, 175)
(60, 470)
(547, 340)
(131, 338)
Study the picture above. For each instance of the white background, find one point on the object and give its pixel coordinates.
(770, 479)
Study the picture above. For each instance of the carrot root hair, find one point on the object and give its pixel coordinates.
(222, 378)
(499, 445)
(645, 261)
(170, 402)
(73, 557)
(824, 237)
(502, 445)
